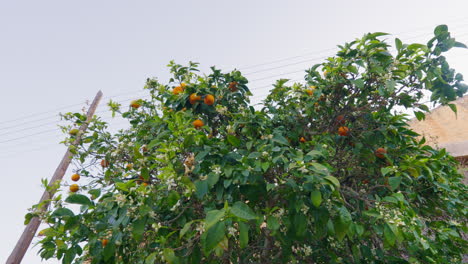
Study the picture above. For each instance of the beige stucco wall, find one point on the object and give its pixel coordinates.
(442, 128)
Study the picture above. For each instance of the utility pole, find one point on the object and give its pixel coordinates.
(30, 231)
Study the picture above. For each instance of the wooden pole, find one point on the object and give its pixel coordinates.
(29, 232)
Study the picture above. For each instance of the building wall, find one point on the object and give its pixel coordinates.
(445, 129)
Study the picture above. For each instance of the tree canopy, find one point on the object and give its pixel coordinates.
(325, 171)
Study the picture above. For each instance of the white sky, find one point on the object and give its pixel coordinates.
(57, 54)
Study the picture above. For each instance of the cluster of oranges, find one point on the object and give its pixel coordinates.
(345, 132)
(74, 187)
(208, 100)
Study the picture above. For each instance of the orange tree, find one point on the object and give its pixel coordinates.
(324, 172)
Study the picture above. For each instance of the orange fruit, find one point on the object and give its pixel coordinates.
(311, 89)
(177, 90)
(75, 177)
(145, 184)
(129, 166)
(74, 131)
(343, 131)
(104, 163)
(74, 188)
(182, 85)
(340, 120)
(233, 86)
(209, 99)
(135, 104)
(302, 140)
(104, 242)
(198, 123)
(193, 98)
(380, 153)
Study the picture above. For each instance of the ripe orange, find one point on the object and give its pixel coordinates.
(135, 104)
(104, 163)
(311, 89)
(182, 85)
(74, 131)
(145, 184)
(340, 120)
(380, 153)
(177, 90)
(209, 99)
(74, 188)
(75, 177)
(104, 242)
(302, 140)
(233, 86)
(129, 166)
(193, 98)
(343, 131)
(198, 123)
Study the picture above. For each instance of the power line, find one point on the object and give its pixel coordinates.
(253, 89)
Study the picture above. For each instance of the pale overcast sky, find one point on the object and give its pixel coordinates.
(57, 54)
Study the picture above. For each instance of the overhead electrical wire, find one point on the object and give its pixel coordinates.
(133, 92)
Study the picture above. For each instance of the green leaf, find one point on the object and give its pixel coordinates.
(243, 234)
(69, 256)
(453, 107)
(63, 212)
(300, 224)
(460, 45)
(341, 229)
(319, 168)
(440, 29)
(254, 155)
(212, 237)
(185, 229)
(145, 173)
(121, 186)
(280, 139)
(316, 197)
(109, 251)
(138, 228)
(233, 140)
(333, 181)
(345, 215)
(394, 182)
(389, 235)
(213, 178)
(398, 44)
(79, 199)
(188, 140)
(313, 154)
(201, 188)
(213, 217)
(169, 256)
(386, 170)
(419, 115)
(273, 223)
(243, 211)
(151, 259)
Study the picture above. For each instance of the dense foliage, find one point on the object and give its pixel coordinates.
(323, 172)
